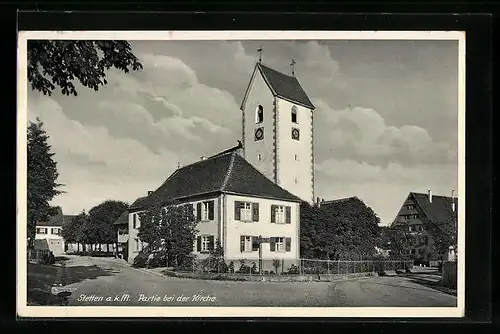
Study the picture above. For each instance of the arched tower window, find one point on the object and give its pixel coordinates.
(294, 115)
(259, 114)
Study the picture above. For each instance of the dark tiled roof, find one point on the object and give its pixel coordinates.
(337, 201)
(57, 220)
(41, 244)
(285, 86)
(227, 172)
(439, 211)
(123, 219)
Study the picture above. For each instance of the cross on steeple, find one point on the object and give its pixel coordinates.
(293, 67)
(260, 54)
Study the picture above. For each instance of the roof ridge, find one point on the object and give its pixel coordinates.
(229, 171)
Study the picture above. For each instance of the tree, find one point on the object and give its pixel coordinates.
(74, 230)
(170, 231)
(444, 235)
(64, 61)
(42, 176)
(346, 229)
(101, 221)
(397, 240)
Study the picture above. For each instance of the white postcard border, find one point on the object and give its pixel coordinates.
(23, 310)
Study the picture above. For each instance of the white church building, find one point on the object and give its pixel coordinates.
(254, 189)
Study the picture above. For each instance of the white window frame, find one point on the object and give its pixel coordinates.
(205, 243)
(296, 157)
(259, 157)
(248, 244)
(246, 211)
(279, 245)
(280, 214)
(205, 211)
(43, 230)
(296, 180)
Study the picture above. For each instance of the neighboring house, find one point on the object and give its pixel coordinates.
(418, 214)
(232, 202)
(121, 225)
(51, 232)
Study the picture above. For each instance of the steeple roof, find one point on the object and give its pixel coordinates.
(282, 85)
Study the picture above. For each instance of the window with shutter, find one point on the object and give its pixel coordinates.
(255, 209)
(288, 244)
(198, 244)
(242, 243)
(205, 243)
(211, 209)
(134, 220)
(255, 243)
(272, 244)
(246, 243)
(273, 214)
(245, 211)
(211, 243)
(279, 214)
(198, 212)
(279, 244)
(288, 218)
(237, 210)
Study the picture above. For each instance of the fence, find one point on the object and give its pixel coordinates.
(37, 255)
(294, 266)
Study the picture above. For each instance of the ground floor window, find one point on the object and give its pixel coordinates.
(205, 243)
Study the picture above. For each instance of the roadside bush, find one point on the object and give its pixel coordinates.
(140, 261)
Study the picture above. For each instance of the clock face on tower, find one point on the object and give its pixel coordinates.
(295, 134)
(259, 134)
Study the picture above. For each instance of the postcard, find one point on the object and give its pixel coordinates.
(241, 174)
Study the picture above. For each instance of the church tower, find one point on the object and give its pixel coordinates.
(277, 130)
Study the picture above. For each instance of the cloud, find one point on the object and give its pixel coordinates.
(363, 135)
(94, 165)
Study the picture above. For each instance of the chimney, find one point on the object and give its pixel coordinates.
(150, 192)
(429, 193)
(317, 202)
(453, 200)
(322, 200)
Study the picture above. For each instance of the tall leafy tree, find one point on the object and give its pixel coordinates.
(345, 230)
(101, 221)
(60, 63)
(169, 229)
(42, 177)
(74, 230)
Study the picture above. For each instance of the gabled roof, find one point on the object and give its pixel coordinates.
(57, 220)
(222, 173)
(439, 211)
(123, 219)
(282, 85)
(41, 244)
(338, 201)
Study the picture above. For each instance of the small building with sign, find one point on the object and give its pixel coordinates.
(233, 203)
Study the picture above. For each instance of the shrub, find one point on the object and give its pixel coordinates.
(141, 260)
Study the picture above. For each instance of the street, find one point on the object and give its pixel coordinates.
(115, 283)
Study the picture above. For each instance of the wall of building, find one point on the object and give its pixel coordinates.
(259, 94)
(205, 228)
(54, 239)
(234, 229)
(296, 176)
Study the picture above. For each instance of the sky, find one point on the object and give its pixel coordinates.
(386, 117)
